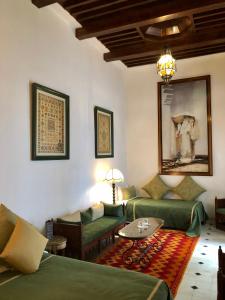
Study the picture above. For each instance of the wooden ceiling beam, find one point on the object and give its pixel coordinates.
(127, 44)
(116, 36)
(122, 40)
(114, 7)
(148, 14)
(190, 42)
(95, 6)
(183, 56)
(43, 3)
(178, 54)
(213, 13)
(69, 4)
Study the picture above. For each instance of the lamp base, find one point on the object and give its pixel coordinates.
(114, 194)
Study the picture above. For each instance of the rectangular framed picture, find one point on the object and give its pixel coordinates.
(103, 132)
(50, 124)
(185, 130)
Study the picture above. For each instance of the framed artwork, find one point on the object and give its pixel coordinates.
(184, 123)
(103, 132)
(50, 124)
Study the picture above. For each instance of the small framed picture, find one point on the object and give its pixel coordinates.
(50, 124)
(103, 132)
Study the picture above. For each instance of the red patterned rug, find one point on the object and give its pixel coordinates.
(168, 264)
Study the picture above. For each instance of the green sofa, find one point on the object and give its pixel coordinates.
(82, 236)
(177, 214)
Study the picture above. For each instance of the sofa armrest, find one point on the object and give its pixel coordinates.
(73, 233)
(113, 210)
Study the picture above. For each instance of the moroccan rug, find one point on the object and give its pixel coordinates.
(168, 264)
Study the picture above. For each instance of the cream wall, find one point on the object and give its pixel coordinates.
(38, 45)
(142, 123)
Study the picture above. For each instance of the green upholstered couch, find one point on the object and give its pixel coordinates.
(81, 236)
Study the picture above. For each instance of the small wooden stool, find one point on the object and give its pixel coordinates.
(57, 243)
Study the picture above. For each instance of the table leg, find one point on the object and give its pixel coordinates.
(143, 246)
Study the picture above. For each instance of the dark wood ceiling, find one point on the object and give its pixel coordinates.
(137, 31)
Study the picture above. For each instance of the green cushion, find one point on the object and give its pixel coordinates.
(221, 211)
(98, 227)
(156, 188)
(128, 192)
(188, 189)
(113, 210)
(86, 216)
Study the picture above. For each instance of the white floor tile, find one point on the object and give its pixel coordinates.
(205, 265)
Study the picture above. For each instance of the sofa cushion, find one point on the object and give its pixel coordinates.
(86, 216)
(7, 224)
(97, 211)
(128, 193)
(24, 248)
(99, 227)
(156, 188)
(71, 218)
(113, 210)
(188, 189)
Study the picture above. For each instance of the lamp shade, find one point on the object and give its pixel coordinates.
(114, 175)
(166, 66)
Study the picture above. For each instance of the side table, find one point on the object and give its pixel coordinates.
(56, 243)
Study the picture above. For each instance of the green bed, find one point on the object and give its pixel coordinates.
(60, 278)
(177, 214)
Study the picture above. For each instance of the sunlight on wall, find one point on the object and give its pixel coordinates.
(101, 191)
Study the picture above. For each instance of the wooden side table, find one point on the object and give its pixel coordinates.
(57, 243)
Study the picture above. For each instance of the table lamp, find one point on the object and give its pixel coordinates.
(113, 176)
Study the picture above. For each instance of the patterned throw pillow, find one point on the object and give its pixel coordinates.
(128, 192)
(156, 188)
(188, 189)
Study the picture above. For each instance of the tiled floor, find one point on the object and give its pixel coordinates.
(200, 279)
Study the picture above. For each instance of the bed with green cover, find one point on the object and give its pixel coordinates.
(60, 278)
(177, 214)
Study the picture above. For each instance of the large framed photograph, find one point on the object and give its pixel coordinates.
(103, 132)
(50, 124)
(184, 123)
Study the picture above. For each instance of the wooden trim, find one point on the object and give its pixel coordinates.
(74, 233)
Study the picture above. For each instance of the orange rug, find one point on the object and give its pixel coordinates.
(168, 264)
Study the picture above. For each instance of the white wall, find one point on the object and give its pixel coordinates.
(142, 123)
(38, 45)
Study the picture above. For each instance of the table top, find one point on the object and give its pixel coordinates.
(141, 228)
